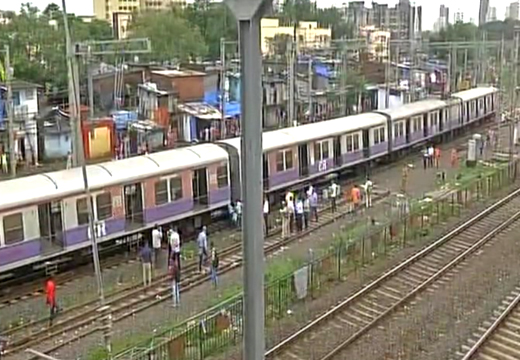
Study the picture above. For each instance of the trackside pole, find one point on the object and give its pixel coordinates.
(249, 14)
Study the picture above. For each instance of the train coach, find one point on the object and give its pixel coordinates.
(44, 217)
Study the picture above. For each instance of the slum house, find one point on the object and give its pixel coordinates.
(26, 106)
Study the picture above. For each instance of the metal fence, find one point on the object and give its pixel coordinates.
(218, 328)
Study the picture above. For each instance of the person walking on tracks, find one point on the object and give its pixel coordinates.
(368, 192)
(175, 272)
(314, 205)
(214, 265)
(266, 216)
(299, 214)
(175, 245)
(50, 291)
(202, 243)
(146, 259)
(156, 243)
(334, 192)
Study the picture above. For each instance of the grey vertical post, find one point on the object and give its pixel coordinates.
(74, 126)
(10, 112)
(249, 13)
(223, 87)
(90, 84)
(309, 89)
(290, 73)
(387, 77)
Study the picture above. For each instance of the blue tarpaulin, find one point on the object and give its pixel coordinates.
(232, 108)
(322, 70)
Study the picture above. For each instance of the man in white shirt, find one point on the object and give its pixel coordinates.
(266, 216)
(368, 192)
(299, 214)
(156, 243)
(430, 156)
(334, 190)
(290, 214)
(175, 246)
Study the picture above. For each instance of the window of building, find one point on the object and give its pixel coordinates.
(176, 188)
(222, 176)
(284, 160)
(321, 150)
(29, 94)
(161, 192)
(82, 211)
(104, 206)
(16, 98)
(13, 228)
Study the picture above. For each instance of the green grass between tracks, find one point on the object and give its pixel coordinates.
(342, 253)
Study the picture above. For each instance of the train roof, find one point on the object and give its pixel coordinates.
(43, 187)
(283, 138)
(474, 93)
(412, 109)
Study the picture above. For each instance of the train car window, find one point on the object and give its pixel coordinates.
(321, 150)
(379, 135)
(350, 143)
(161, 192)
(356, 142)
(13, 228)
(284, 160)
(176, 188)
(222, 176)
(82, 211)
(104, 206)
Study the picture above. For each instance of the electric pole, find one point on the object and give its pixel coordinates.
(290, 73)
(223, 87)
(10, 111)
(75, 126)
(90, 84)
(309, 89)
(387, 76)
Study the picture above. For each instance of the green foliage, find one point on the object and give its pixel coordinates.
(37, 42)
(171, 35)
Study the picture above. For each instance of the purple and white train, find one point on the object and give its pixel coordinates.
(44, 217)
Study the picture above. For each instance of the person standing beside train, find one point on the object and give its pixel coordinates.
(334, 192)
(307, 210)
(314, 205)
(175, 245)
(156, 244)
(299, 214)
(146, 259)
(50, 291)
(202, 243)
(266, 216)
(368, 192)
(284, 212)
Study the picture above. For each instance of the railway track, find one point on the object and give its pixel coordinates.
(329, 335)
(11, 291)
(81, 321)
(500, 340)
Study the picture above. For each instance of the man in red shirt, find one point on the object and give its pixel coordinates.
(50, 290)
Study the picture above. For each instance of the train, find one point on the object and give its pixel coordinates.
(44, 217)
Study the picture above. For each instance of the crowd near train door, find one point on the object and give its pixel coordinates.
(133, 205)
(200, 186)
(51, 225)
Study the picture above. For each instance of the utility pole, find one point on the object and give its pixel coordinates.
(455, 68)
(223, 87)
(74, 120)
(290, 73)
(309, 89)
(412, 52)
(248, 14)
(513, 99)
(10, 111)
(90, 84)
(447, 83)
(87, 50)
(387, 77)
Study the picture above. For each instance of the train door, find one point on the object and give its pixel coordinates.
(468, 112)
(265, 172)
(337, 151)
(440, 121)
(51, 226)
(425, 124)
(303, 156)
(200, 186)
(366, 143)
(408, 129)
(133, 205)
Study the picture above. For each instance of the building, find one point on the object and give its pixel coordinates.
(443, 20)
(402, 21)
(492, 14)
(483, 12)
(26, 107)
(5, 17)
(104, 9)
(458, 17)
(309, 35)
(120, 23)
(512, 11)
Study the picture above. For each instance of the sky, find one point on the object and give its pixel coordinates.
(430, 7)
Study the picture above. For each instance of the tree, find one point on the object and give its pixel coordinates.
(215, 21)
(171, 36)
